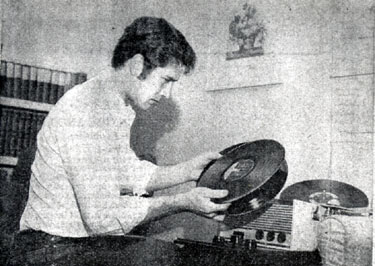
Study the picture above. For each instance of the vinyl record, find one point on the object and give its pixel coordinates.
(257, 198)
(327, 193)
(244, 168)
(252, 206)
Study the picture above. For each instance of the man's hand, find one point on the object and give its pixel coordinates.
(193, 168)
(199, 200)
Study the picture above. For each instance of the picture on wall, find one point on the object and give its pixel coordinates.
(240, 54)
(246, 34)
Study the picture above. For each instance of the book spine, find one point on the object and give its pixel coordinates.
(9, 85)
(33, 128)
(8, 131)
(25, 82)
(40, 85)
(13, 138)
(82, 77)
(27, 137)
(3, 78)
(74, 80)
(46, 85)
(54, 87)
(3, 129)
(40, 120)
(20, 132)
(61, 85)
(68, 82)
(17, 81)
(33, 84)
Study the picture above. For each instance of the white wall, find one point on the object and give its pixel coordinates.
(312, 47)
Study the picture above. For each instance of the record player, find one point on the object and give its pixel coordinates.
(254, 173)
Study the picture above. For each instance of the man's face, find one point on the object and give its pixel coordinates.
(158, 83)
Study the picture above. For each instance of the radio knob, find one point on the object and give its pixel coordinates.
(281, 238)
(259, 234)
(270, 236)
(233, 240)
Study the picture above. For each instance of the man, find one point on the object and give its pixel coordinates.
(83, 157)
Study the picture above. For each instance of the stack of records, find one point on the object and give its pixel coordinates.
(252, 172)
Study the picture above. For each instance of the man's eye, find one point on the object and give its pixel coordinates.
(165, 82)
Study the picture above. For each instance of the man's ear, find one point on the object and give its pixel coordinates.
(136, 65)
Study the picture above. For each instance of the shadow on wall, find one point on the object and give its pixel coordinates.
(150, 125)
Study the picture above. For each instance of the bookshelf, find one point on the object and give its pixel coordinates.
(27, 94)
(8, 160)
(25, 104)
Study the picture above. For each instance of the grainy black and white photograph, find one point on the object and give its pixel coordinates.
(187, 132)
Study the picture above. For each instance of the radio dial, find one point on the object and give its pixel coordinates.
(259, 234)
(281, 238)
(270, 236)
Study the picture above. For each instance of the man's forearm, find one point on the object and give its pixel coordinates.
(190, 170)
(165, 205)
(168, 176)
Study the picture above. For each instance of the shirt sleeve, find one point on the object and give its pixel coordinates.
(140, 171)
(97, 160)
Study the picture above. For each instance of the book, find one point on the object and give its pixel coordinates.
(20, 132)
(8, 131)
(39, 85)
(68, 82)
(33, 84)
(17, 81)
(4, 113)
(9, 84)
(82, 77)
(39, 122)
(27, 133)
(46, 79)
(13, 135)
(3, 77)
(54, 87)
(25, 82)
(33, 129)
(61, 85)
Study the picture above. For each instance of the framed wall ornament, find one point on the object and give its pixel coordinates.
(246, 34)
(238, 55)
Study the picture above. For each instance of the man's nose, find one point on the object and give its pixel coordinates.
(166, 92)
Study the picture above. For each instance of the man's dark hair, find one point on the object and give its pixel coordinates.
(159, 42)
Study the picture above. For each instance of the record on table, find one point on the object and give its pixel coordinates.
(326, 193)
(244, 168)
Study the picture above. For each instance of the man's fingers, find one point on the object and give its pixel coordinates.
(212, 193)
(218, 207)
(216, 217)
(209, 156)
(219, 218)
(217, 193)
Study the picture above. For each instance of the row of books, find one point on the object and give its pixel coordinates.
(36, 83)
(18, 129)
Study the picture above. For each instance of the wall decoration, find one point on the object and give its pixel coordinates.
(246, 34)
(240, 53)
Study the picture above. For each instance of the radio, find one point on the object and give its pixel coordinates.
(282, 226)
